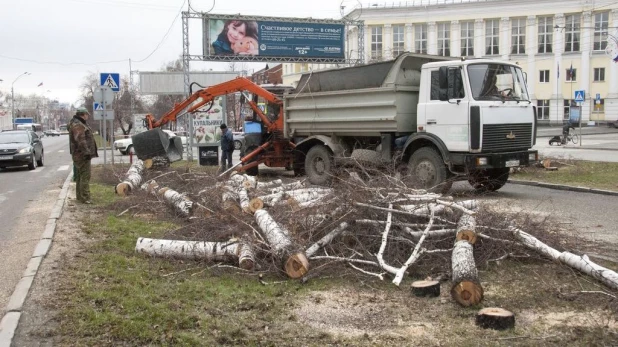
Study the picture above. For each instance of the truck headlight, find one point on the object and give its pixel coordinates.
(481, 161)
(25, 150)
(532, 157)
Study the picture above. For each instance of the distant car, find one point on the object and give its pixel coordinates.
(20, 147)
(125, 146)
(239, 139)
(52, 133)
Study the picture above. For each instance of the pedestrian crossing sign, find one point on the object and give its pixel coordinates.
(98, 106)
(580, 95)
(111, 80)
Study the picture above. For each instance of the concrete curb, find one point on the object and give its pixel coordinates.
(563, 187)
(10, 321)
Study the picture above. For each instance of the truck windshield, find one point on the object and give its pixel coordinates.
(497, 82)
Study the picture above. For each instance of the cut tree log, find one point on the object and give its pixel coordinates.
(466, 229)
(180, 202)
(243, 198)
(255, 204)
(467, 289)
(133, 179)
(426, 288)
(199, 250)
(495, 318)
(295, 263)
(328, 238)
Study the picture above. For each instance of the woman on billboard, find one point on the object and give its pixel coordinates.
(237, 37)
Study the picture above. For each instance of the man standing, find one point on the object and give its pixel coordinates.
(227, 147)
(83, 148)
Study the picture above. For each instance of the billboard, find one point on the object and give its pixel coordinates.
(265, 37)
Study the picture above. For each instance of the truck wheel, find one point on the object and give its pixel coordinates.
(299, 163)
(318, 164)
(489, 180)
(427, 169)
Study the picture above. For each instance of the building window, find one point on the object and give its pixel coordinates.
(518, 36)
(542, 109)
(492, 37)
(467, 39)
(599, 74)
(600, 31)
(398, 40)
(544, 76)
(567, 107)
(420, 38)
(599, 106)
(376, 43)
(444, 34)
(572, 27)
(571, 75)
(545, 34)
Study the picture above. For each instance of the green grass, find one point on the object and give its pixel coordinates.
(597, 175)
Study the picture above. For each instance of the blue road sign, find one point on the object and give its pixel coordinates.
(111, 80)
(580, 95)
(98, 106)
(598, 97)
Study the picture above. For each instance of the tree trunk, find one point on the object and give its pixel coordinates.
(295, 263)
(426, 288)
(466, 229)
(328, 238)
(133, 179)
(179, 201)
(495, 318)
(467, 289)
(198, 250)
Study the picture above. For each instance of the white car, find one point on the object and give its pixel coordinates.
(125, 146)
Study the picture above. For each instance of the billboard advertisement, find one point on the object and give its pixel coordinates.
(206, 124)
(269, 37)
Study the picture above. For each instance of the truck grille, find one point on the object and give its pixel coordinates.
(499, 137)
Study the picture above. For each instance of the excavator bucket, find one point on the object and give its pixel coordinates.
(156, 143)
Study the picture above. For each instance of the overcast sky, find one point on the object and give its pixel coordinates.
(61, 41)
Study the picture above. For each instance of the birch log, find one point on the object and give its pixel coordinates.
(199, 250)
(295, 263)
(328, 238)
(132, 179)
(243, 198)
(180, 202)
(466, 229)
(467, 289)
(581, 263)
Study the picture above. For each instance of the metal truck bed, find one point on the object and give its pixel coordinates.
(364, 100)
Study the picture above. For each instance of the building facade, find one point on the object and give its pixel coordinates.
(561, 45)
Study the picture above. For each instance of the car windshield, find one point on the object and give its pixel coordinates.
(14, 138)
(497, 82)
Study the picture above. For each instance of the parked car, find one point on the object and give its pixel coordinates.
(125, 146)
(52, 133)
(20, 147)
(239, 139)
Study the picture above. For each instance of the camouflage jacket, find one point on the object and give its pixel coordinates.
(81, 140)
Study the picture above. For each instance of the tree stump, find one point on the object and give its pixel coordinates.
(495, 318)
(426, 288)
(467, 289)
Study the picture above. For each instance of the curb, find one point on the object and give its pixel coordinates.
(563, 187)
(8, 324)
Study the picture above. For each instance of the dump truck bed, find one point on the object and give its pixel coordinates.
(364, 100)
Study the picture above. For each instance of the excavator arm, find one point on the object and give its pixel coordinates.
(206, 95)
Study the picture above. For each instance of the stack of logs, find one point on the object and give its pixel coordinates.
(245, 194)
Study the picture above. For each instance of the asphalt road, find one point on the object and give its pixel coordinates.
(26, 200)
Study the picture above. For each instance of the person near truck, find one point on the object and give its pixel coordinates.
(227, 147)
(83, 148)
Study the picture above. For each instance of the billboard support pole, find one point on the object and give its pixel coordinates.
(185, 70)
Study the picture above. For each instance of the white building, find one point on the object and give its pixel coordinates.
(545, 37)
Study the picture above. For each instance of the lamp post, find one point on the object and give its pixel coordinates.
(13, 98)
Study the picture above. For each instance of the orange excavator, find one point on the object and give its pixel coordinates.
(275, 151)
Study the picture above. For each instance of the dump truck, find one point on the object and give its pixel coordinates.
(437, 119)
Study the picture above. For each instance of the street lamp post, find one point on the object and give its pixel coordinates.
(13, 98)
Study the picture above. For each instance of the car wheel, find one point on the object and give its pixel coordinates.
(32, 163)
(40, 161)
(131, 150)
(122, 152)
(237, 145)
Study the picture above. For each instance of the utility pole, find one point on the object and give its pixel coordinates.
(13, 98)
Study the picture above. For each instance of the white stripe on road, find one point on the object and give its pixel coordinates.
(63, 168)
(38, 169)
(61, 151)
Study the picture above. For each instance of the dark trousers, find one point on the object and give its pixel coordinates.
(82, 182)
(226, 156)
